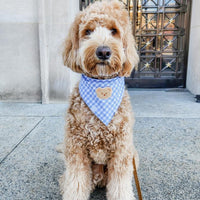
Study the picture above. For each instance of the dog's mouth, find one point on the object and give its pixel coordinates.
(104, 70)
(101, 70)
(103, 64)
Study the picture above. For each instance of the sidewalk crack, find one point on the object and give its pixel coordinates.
(21, 140)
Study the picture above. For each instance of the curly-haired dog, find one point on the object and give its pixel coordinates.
(98, 145)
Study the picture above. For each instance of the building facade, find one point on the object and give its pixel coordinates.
(32, 33)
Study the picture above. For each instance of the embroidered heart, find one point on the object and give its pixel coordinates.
(104, 93)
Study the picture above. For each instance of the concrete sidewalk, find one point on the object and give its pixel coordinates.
(166, 134)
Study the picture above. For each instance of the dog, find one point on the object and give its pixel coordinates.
(98, 144)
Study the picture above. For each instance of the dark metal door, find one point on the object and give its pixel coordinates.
(161, 32)
(161, 29)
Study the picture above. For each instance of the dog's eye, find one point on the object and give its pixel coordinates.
(114, 31)
(88, 32)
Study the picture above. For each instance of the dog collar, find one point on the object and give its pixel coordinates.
(103, 97)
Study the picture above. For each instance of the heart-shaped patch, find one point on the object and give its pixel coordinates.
(104, 93)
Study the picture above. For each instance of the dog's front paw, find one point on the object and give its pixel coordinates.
(120, 192)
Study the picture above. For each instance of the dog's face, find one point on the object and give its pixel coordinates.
(100, 43)
(101, 50)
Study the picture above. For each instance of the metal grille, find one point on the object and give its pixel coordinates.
(161, 29)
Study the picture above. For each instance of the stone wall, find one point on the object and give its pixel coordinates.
(193, 71)
(55, 18)
(32, 33)
(19, 49)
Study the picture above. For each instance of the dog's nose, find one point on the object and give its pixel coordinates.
(103, 52)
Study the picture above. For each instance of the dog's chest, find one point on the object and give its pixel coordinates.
(99, 139)
(100, 144)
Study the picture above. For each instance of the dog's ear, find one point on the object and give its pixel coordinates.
(132, 57)
(71, 46)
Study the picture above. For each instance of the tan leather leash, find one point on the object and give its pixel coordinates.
(137, 183)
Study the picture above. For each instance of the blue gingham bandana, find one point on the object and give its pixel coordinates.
(103, 97)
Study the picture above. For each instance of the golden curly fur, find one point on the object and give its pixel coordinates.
(95, 154)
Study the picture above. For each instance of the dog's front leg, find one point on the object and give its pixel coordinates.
(120, 173)
(76, 181)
